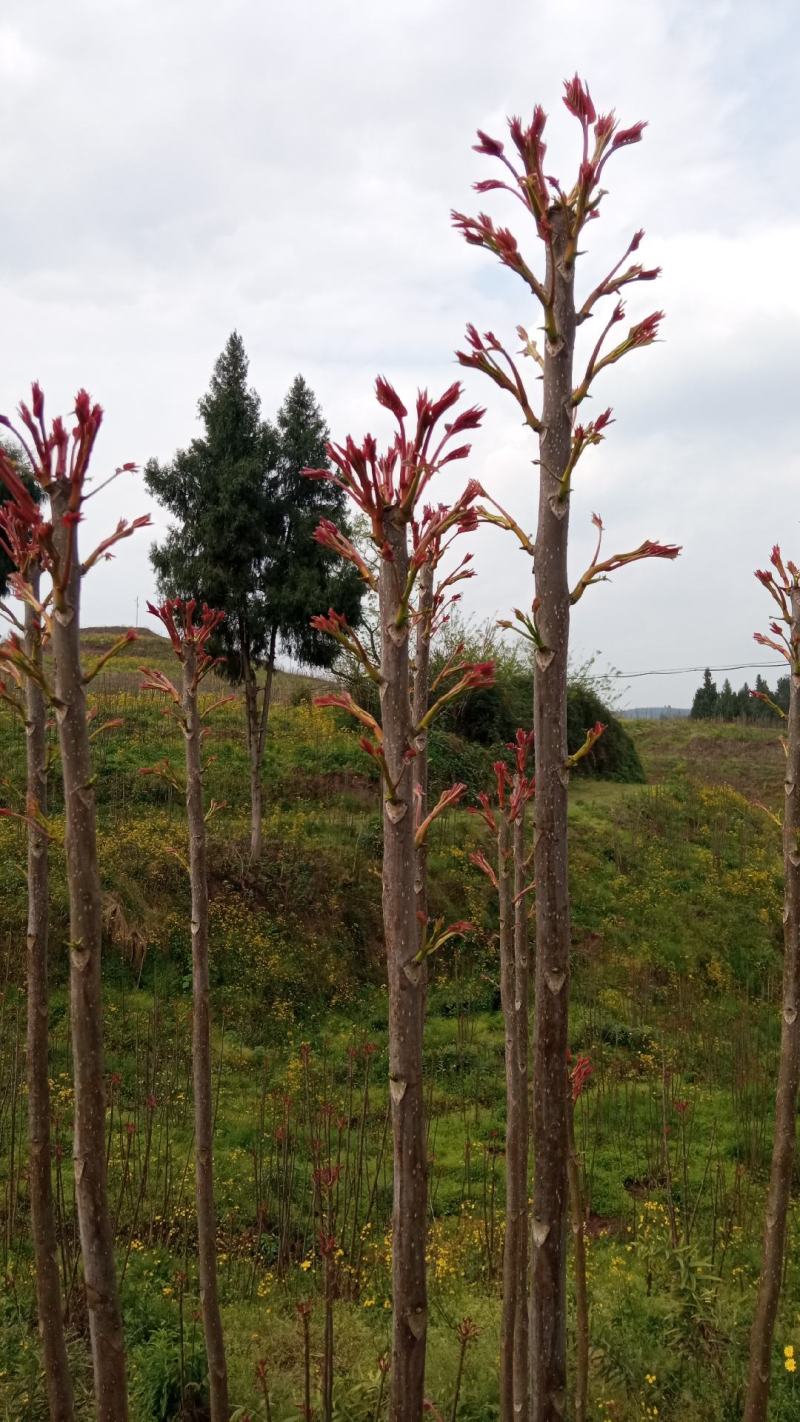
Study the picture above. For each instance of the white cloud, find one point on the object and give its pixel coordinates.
(187, 167)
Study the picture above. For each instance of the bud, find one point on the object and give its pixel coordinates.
(578, 100)
(386, 395)
(624, 136)
(490, 147)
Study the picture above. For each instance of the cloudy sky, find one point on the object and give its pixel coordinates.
(173, 169)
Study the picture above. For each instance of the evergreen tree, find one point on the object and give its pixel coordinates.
(706, 698)
(727, 705)
(303, 575)
(242, 538)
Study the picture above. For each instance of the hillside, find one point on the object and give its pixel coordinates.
(748, 758)
(676, 891)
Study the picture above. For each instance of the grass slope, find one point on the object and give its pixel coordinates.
(676, 895)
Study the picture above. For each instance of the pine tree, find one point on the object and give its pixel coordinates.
(706, 699)
(303, 575)
(242, 538)
(727, 707)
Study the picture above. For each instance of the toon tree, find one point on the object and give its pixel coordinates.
(550, 398)
(60, 462)
(410, 538)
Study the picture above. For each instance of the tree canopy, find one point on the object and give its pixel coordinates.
(244, 519)
(746, 704)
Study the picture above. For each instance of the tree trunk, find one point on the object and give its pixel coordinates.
(780, 1179)
(550, 1137)
(86, 1001)
(514, 993)
(419, 765)
(257, 718)
(405, 993)
(201, 1049)
(522, 987)
(508, 1323)
(43, 1228)
(256, 805)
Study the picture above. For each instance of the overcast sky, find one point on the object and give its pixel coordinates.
(173, 169)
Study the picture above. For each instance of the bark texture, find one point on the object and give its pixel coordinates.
(518, 1203)
(508, 1318)
(86, 1003)
(514, 993)
(419, 767)
(406, 993)
(201, 1049)
(257, 708)
(40, 1181)
(783, 1149)
(550, 1136)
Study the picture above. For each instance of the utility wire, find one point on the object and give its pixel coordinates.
(682, 671)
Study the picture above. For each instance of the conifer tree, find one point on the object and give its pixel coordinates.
(728, 707)
(242, 541)
(704, 706)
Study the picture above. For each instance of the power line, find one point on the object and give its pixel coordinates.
(683, 671)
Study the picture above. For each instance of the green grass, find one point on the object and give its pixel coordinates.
(748, 758)
(676, 898)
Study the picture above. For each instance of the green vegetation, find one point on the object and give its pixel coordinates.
(761, 704)
(676, 888)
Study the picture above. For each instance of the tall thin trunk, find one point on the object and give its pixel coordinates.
(256, 719)
(783, 1150)
(419, 767)
(550, 1137)
(514, 993)
(43, 1228)
(202, 1068)
(405, 993)
(256, 805)
(86, 994)
(511, 1242)
(522, 1113)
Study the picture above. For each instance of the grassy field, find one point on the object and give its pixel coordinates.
(676, 890)
(748, 758)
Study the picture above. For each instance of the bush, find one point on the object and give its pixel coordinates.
(614, 756)
(158, 1393)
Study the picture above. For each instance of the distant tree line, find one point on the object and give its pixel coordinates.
(746, 704)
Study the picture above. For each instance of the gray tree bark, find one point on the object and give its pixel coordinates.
(783, 1149)
(256, 720)
(201, 1048)
(406, 992)
(514, 994)
(419, 768)
(40, 1181)
(518, 1205)
(86, 999)
(550, 1136)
